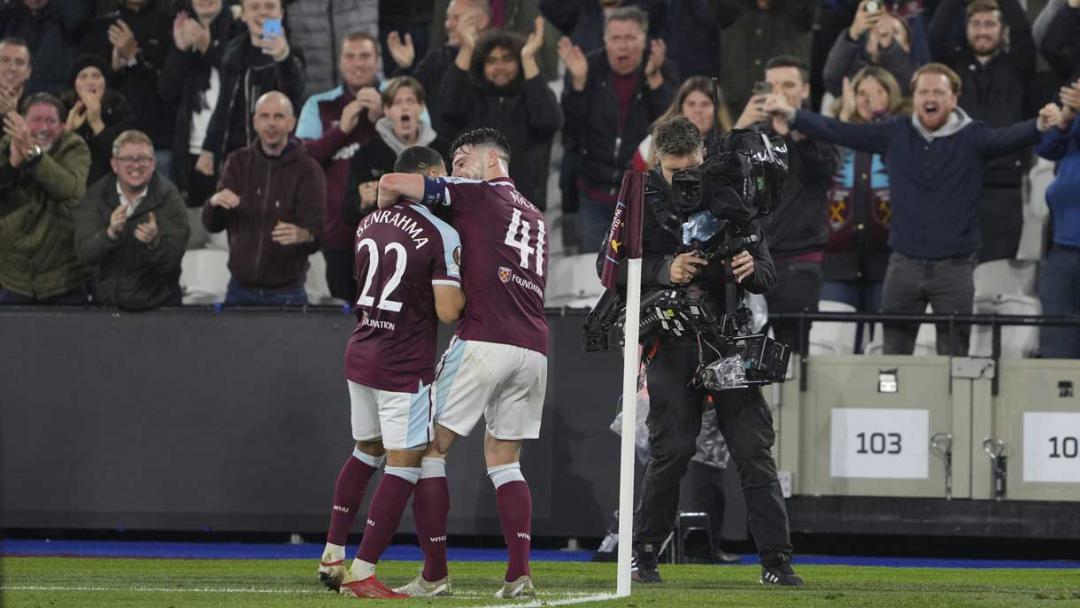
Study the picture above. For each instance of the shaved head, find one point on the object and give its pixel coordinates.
(274, 121)
(279, 101)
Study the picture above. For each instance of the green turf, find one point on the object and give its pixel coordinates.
(93, 583)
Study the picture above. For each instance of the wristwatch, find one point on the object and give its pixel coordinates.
(34, 155)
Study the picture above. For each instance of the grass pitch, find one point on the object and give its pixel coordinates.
(120, 583)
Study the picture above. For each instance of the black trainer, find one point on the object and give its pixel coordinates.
(776, 570)
(643, 567)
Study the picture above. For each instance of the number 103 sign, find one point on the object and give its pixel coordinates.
(880, 443)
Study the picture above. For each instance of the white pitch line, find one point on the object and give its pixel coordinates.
(581, 598)
(154, 589)
(537, 603)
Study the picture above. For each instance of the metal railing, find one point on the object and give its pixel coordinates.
(995, 321)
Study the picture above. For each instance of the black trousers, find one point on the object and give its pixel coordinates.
(798, 288)
(340, 277)
(674, 422)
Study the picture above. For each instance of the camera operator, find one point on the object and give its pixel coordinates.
(674, 418)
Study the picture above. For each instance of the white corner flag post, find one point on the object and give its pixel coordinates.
(631, 366)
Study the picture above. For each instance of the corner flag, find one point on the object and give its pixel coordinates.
(624, 236)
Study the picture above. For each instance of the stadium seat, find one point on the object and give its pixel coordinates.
(572, 282)
(925, 340)
(1036, 212)
(687, 523)
(1013, 277)
(204, 276)
(318, 291)
(1016, 342)
(218, 241)
(832, 338)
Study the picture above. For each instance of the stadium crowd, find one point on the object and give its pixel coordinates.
(913, 130)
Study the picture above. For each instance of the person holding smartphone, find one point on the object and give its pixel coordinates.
(255, 62)
(876, 37)
(796, 230)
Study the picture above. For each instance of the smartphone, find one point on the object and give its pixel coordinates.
(872, 6)
(762, 88)
(272, 28)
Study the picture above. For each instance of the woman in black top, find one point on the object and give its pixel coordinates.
(97, 114)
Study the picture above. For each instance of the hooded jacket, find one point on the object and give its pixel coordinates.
(37, 236)
(377, 157)
(290, 188)
(128, 273)
(247, 73)
(525, 111)
(592, 117)
(934, 178)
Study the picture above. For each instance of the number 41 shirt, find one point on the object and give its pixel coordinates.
(504, 248)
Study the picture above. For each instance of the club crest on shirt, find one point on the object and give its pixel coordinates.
(457, 256)
(505, 274)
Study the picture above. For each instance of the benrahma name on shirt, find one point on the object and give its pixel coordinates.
(407, 224)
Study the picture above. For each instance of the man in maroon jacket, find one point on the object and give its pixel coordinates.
(270, 198)
(333, 125)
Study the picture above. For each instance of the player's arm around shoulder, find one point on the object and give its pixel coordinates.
(394, 186)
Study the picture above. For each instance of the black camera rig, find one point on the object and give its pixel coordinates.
(731, 356)
(715, 203)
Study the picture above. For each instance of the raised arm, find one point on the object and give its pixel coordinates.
(1021, 42)
(1045, 18)
(948, 13)
(1055, 142)
(411, 186)
(1004, 141)
(838, 63)
(869, 138)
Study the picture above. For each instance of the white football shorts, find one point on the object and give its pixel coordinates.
(403, 420)
(504, 383)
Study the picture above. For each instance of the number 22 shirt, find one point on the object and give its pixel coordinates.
(401, 253)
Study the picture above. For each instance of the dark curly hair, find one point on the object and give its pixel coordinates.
(677, 137)
(496, 39)
(484, 136)
(417, 159)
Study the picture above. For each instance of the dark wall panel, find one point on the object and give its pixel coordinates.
(194, 419)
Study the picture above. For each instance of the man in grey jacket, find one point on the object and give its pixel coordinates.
(131, 230)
